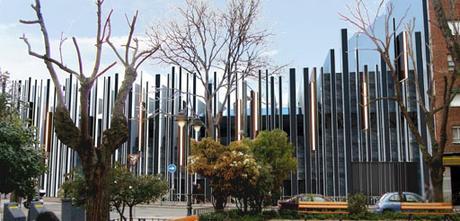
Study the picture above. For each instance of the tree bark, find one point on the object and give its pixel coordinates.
(97, 203)
(219, 201)
(96, 161)
(96, 166)
(436, 170)
(209, 118)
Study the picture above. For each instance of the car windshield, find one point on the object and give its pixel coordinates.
(312, 198)
(293, 199)
(412, 198)
(318, 199)
(382, 198)
(394, 198)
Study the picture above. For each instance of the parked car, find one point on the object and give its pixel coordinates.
(391, 202)
(293, 202)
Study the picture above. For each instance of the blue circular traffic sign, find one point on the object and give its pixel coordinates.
(172, 168)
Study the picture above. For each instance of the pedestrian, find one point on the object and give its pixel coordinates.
(428, 192)
(199, 193)
(47, 216)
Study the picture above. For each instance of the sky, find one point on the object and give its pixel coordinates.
(303, 30)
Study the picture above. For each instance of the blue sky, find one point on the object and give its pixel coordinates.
(304, 30)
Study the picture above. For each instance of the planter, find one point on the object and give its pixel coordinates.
(12, 212)
(70, 212)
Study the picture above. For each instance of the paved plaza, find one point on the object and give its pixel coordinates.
(163, 210)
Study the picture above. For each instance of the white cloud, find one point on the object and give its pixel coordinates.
(270, 53)
(6, 27)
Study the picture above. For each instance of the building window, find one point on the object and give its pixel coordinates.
(456, 134)
(454, 27)
(456, 101)
(450, 63)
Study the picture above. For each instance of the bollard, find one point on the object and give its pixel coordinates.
(11, 212)
(35, 209)
(78, 213)
(66, 210)
(70, 212)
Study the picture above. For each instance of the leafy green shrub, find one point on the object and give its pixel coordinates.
(125, 189)
(20, 163)
(292, 214)
(455, 217)
(251, 171)
(234, 214)
(325, 217)
(251, 218)
(217, 216)
(74, 187)
(269, 214)
(238, 215)
(288, 214)
(357, 204)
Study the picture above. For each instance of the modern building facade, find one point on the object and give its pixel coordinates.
(346, 138)
(342, 144)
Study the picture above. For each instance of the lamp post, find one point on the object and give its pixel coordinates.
(197, 124)
(183, 121)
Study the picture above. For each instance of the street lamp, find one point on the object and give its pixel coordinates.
(182, 121)
(197, 124)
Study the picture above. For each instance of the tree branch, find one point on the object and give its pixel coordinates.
(106, 69)
(46, 57)
(99, 40)
(130, 35)
(77, 49)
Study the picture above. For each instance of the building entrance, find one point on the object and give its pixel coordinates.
(455, 181)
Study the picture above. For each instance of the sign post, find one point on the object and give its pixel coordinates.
(172, 169)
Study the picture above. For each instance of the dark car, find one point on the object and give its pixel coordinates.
(391, 202)
(293, 202)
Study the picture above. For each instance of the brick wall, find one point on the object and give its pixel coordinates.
(439, 57)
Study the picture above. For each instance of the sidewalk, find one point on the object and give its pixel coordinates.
(159, 204)
(159, 210)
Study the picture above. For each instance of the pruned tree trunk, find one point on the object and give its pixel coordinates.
(95, 158)
(96, 161)
(97, 206)
(436, 170)
(220, 201)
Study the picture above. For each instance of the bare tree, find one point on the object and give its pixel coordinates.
(436, 110)
(207, 40)
(96, 161)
